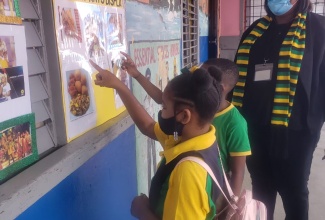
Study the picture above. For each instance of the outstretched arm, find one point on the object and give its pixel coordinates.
(237, 167)
(139, 115)
(150, 88)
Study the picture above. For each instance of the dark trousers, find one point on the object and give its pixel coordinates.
(287, 176)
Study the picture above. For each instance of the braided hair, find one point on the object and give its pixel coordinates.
(229, 72)
(198, 89)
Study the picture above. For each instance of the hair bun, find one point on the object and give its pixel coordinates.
(200, 88)
(201, 81)
(215, 73)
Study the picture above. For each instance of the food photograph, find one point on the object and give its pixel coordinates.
(70, 23)
(79, 97)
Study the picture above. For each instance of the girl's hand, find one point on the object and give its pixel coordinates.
(104, 77)
(130, 66)
(140, 206)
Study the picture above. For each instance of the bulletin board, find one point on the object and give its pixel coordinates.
(89, 30)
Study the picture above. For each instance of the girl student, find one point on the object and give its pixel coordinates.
(184, 191)
(231, 127)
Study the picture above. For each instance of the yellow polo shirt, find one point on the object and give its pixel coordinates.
(187, 193)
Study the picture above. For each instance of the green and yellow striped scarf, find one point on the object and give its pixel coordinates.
(290, 57)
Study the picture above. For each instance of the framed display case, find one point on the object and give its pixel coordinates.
(17, 145)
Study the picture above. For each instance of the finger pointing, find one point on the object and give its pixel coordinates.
(98, 68)
(126, 55)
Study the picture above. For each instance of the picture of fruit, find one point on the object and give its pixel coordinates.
(77, 75)
(83, 80)
(72, 91)
(84, 90)
(78, 86)
(79, 92)
(71, 82)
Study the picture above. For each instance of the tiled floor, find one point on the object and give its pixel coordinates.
(316, 186)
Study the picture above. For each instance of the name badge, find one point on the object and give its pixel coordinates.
(263, 72)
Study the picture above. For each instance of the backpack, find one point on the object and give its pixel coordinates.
(242, 208)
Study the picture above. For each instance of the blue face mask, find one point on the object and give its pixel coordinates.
(279, 7)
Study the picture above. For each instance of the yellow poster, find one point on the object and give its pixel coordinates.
(89, 30)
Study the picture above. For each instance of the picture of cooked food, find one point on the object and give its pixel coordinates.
(94, 35)
(68, 18)
(79, 105)
(78, 91)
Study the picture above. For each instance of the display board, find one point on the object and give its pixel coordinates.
(89, 30)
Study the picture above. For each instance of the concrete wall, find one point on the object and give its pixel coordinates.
(230, 27)
(102, 188)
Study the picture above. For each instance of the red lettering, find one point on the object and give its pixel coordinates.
(144, 56)
(174, 50)
(136, 57)
(166, 52)
(152, 55)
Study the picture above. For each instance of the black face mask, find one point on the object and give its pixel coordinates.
(170, 126)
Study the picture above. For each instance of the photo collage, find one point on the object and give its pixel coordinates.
(88, 31)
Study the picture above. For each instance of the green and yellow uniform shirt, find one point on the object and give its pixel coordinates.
(231, 134)
(188, 192)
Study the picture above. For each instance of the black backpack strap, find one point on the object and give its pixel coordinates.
(161, 175)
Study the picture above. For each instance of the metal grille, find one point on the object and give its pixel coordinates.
(319, 7)
(190, 33)
(255, 10)
(38, 74)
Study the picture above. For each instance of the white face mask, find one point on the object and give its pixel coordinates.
(280, 7)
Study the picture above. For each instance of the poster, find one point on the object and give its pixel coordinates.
(14, 84)
(17, 144)
(159, 62)
(204, 17)
(9, 12)
(89, 30)
(162, 19)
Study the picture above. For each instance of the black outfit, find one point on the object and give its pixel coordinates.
(281, 163)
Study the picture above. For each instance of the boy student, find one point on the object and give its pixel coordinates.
(231, 127)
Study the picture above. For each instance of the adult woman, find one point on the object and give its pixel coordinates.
(281, 94)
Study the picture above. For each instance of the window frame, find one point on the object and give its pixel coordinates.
(190, 33)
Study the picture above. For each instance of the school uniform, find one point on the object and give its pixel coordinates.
(185, 191)
(232, 135)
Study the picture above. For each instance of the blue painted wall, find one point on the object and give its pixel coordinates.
(204, 48)
(103, 188)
